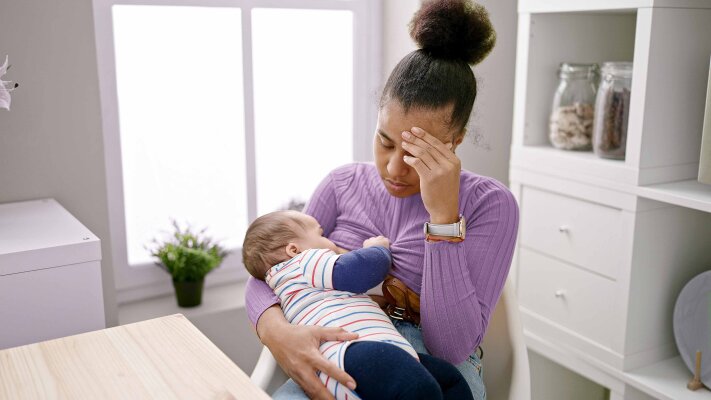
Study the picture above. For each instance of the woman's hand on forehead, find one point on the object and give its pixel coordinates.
(438, 168)
(426, 141)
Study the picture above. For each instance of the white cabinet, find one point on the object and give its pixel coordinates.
(50, 274)
(605, 246)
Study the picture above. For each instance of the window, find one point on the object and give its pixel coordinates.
(216, 114)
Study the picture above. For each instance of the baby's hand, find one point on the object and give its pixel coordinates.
(377, 241)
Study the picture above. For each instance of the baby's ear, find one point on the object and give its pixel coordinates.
(292, 249)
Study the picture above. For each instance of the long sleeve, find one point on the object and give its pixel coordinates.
(258, 297)
(462, 282)
(360, 270)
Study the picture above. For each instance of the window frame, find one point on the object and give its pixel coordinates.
(143, 281)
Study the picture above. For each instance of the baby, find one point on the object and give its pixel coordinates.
(317, 286)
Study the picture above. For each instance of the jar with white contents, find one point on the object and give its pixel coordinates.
(571, 120)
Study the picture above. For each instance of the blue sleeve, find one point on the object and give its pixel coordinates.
(362, 269)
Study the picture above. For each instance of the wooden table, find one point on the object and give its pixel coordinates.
(163, 358)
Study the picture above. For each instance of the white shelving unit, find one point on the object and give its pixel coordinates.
(605, 246)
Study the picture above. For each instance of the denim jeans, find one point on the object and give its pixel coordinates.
(471, 368)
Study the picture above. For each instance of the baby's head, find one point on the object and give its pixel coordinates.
(279, 236)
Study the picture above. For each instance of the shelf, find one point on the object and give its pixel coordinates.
(666, 380)
(689, 194)
(553, 6)
(578, 165)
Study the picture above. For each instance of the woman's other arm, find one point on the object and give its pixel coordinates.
(462, 282)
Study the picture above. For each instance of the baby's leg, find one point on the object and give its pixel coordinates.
(385, 371)
(450, 380)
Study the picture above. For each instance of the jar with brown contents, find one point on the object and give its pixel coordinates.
(612, 110)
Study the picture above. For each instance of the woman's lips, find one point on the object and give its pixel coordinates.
(396, 186)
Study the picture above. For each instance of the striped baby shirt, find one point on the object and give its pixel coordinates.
(307, 286)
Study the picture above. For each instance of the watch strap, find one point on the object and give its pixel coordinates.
(450, 232)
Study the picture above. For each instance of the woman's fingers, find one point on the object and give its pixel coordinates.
(423, 153)
(329, 368)
(336, 334)
(336, 373)
(312, 385)
(419, 165)
(434, 146)
(430, 157)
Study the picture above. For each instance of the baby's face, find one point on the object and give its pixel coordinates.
(312, 236)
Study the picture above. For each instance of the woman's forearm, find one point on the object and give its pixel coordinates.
(462, 282)
(450, 299)
(271, 320)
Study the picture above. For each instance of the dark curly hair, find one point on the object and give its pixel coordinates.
(452, 35)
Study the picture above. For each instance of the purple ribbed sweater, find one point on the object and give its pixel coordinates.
(459, 283)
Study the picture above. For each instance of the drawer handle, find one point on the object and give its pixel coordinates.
(560, 293)
(563, 229)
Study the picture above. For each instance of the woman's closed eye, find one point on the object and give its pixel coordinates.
(390, 146)
(386, 144)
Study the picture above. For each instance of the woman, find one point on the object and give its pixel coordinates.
(416, 179)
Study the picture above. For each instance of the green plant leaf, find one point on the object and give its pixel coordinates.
(188, 256)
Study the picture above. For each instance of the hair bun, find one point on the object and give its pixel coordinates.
(454, 29)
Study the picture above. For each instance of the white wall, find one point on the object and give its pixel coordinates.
(487, 146)
(50, 142)
(396, 34)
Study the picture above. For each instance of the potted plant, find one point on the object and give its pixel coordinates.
(188, 257)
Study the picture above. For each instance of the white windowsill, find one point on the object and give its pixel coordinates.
(215, 299)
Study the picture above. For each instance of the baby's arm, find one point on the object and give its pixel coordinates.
(362, 269)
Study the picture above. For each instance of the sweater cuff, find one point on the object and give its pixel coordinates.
(443, 245)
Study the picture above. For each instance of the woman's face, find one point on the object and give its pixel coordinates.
(400, 179)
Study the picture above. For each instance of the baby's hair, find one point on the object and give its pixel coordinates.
(266, 239)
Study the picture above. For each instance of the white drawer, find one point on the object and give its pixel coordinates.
(567, 295)
(583, 233)
(50, 303)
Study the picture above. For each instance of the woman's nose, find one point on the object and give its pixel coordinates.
(396, 166)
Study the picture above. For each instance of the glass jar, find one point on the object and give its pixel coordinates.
(571, 119)
(612, 110)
